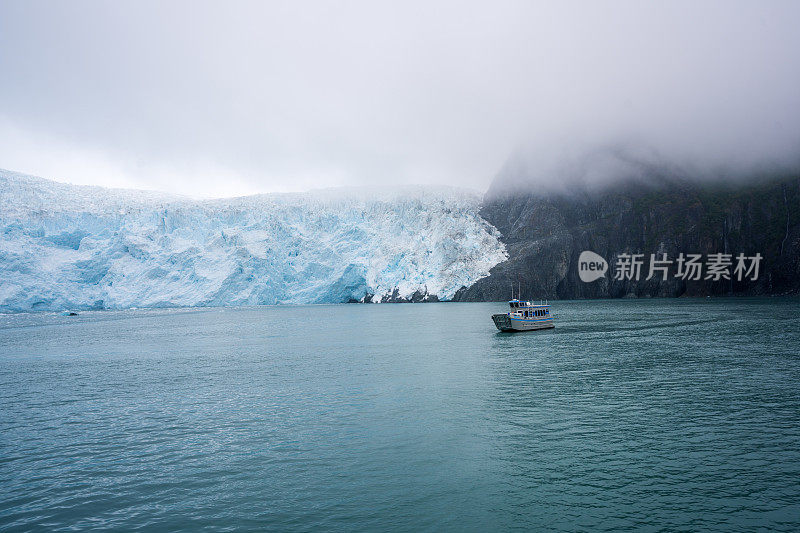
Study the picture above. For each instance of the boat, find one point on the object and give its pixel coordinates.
(67, 312)
(524, 316)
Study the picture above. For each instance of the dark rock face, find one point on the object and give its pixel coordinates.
(545, 233)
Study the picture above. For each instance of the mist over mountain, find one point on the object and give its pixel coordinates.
(594, 167)
(615, 202)
(291, 96)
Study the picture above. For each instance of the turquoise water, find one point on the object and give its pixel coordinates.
(657, 414)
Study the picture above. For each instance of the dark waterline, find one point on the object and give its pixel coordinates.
(631, 413)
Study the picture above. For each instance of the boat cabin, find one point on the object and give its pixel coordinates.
(525, 309)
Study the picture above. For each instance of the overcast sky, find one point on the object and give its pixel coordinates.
(227, 98)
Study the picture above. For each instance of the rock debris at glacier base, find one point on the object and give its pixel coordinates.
(65, 246)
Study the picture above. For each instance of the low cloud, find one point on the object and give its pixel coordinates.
(207, 99)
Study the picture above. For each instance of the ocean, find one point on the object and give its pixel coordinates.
(652, 414)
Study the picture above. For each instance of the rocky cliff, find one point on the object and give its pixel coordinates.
(545, 232)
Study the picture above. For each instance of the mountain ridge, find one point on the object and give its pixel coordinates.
(545, 232)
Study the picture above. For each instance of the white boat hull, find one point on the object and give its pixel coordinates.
(504, 322)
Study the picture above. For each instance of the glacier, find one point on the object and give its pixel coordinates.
(81, 247)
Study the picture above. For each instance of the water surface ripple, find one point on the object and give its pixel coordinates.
(657, 414)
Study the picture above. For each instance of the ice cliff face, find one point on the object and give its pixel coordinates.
(64, 246)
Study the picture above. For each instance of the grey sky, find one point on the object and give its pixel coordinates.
(226, 98)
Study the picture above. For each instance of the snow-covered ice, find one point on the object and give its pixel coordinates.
(77, 247)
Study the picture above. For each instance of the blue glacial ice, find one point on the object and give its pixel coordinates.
(77, 247)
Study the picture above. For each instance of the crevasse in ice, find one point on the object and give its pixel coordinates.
(65, 246)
